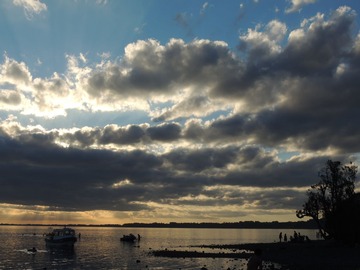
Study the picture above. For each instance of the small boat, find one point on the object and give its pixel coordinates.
(64, 236)
(128, 238)
(33, 250)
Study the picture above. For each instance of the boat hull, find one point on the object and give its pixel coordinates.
(63, 241)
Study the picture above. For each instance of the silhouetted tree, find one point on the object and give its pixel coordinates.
(328, 198)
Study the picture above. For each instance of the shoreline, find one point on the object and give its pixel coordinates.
(313, 255)
(307, 225)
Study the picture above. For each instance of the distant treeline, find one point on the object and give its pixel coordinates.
(310, 224)
(230, 225)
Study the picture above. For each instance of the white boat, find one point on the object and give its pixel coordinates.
(64, 236)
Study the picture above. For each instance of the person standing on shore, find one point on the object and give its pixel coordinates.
(255, 261)
(280, 236)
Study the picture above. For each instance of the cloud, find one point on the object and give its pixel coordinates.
(313, 47)
(55, 170)
(191, 106)
(31, 7)
(101, 2)
(164, 132)
(140, 29)
(223, 118)
(94, 175)
(183, 19)
(204, 7)
(296, 83)
(296, 5)
(151, 70)
(10, 97)
(13, 72)
(264, 44)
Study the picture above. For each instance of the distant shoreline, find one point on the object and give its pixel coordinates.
(203, 225)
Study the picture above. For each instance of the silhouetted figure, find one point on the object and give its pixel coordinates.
(280, 236)
(285, 237)
(139, 237)
(79, 236)
(255, 261)
(295, 236)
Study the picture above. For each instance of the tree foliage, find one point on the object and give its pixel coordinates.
(328, 199)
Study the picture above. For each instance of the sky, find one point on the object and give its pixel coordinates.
(116, 111)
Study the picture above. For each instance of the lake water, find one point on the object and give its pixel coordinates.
(100, 248)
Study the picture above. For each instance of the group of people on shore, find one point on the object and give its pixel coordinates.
(297, 237)
(255, 261)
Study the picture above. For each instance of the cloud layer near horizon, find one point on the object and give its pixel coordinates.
(222, 118)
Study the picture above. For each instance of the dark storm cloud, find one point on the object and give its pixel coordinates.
(311, 127)
(322, 48)
(85, 137)
(129, 135)
(75, 179)
(317, 61)
(266, 199)
(316, 76)
(155, 69)
(165, 132)
(278, 199)
(327, 121)
(271, 173)
(70, 178)
(200, 160)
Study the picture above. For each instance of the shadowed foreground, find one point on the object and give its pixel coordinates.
(294, 256)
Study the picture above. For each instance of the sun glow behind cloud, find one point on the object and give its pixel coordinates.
(21, 214)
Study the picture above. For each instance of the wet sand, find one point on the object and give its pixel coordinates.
(314, 255)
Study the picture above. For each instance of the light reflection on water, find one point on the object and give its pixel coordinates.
(100, 248)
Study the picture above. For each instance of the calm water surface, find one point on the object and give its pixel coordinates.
(100, 248)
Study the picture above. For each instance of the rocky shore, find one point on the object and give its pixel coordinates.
(314, 255)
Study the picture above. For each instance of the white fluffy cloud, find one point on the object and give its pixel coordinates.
(15, 73)
(198, 78)
(264, 44)
(31, 7)
(296, 5)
